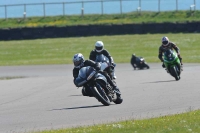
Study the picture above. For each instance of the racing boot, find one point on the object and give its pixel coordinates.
(167, 70)
(163, 65)
(114, 87)
(117, 91)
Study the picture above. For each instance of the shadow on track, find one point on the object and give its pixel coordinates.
(79, 107)
(75, 95)
(160, 81)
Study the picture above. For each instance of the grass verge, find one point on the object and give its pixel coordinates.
(133, 17)
(179, 123)
(121, 47)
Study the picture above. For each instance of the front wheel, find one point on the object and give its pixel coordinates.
(147, 66)
(143, 66)
(101, 95)
(174, 72)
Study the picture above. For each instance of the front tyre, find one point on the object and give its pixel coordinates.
(147, 66)
(100, 95)
(174, 73)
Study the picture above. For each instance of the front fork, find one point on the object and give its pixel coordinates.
(178, 65)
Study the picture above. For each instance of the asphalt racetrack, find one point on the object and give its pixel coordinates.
(44, 97)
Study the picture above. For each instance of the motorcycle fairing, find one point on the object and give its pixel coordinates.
(171, 58)
(84, 72)
(99, 76)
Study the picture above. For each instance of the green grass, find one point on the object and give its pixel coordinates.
(179, 123)
(61, 50)
(134, 17)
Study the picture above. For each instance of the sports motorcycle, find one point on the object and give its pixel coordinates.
(106, 65)
(172, 63)
(98, 85)
(139, 62)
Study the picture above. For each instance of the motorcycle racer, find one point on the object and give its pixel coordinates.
(166, 44)
(99, 49)
(79, 62)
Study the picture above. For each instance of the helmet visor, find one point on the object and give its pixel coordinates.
(99, 48)
(77, 63)
(165, 42)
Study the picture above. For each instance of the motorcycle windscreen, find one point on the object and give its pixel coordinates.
(169, 55)
(84, 72)
(138, 60)
(101, 58)
(104, 65)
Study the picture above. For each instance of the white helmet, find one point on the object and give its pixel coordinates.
(165, 41)
(78, 60)
(99, 46)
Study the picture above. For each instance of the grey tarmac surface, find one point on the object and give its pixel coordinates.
(44, 97)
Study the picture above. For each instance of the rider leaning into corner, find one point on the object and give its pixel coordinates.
(166, 44)
(79, 62)
(99, 49)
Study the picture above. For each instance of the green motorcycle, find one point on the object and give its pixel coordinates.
(172, 63)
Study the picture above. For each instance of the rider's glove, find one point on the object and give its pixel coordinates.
(113, 64)
(163, 65)
(98, 67)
